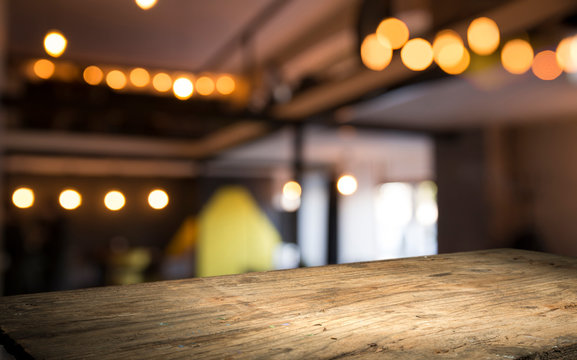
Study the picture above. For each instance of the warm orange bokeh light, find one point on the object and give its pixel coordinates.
(461, 66)
(374, 54)
(116, 79)
(23, 198)
(44, 69)
(55, 43)
(225, 85)
(139, 77)
(93, 75)
(417, 54)
(70, 199)
(545, 65)
(204, 85)
(517, 56)
(158, 199)
(162, 82)
(114, 200)
(347, 185)
(145, 4)
(483, 36)
(182, 88)
(393, 33)
(292, 190)
(567, 54)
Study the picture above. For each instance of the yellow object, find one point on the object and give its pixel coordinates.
(235, 236)
(185, 238)
(483, 36)
(374, 54)
(393, 32)
(517, 56)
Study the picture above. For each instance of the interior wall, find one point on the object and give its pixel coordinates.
(546, 156)
(508, 187)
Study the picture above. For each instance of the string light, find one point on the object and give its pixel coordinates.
(182, 88)
(70, 199)
(393, 33)
(23, 198)
(347, 185)
(376, 55)
(225, 85)
(116, 79)
(158, 199)
(483, 36)
(55, 43)
(417, 54)
(517, 56)
(162, 82)
(44, 69)
(93, 75)
(145, 4)
(114, 200)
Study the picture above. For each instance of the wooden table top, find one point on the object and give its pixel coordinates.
(496, 304)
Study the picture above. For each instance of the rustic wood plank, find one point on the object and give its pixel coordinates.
(497, 304)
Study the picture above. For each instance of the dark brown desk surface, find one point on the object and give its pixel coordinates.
(498, 304)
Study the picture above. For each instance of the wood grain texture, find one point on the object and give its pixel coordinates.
(497, 304)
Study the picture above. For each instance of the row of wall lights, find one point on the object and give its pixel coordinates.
(450, 54)
(292, 191)
(70, 199)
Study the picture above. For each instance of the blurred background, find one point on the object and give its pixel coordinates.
(150, 140)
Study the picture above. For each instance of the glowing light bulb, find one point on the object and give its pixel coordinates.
(417, 54)
(225, 85)
(145, 4)
(392, 32)
(139, 77)
(55, 43)
(93, 75)
(545, 65)
(116, 79)
(517, 56)
(158, 199)
(376, 55)
(162, 82)
(70, 199)
(483, 36)
(114, 200)
(292, 190)
(182, 88)
(450, 53)
(567, 54)
(44, 69)
(23, 198)
(347, 185)
(204, 85)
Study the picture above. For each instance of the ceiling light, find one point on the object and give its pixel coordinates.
(517, 56)
(23, 198)
(182, 88)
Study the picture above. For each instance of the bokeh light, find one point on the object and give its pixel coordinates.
(347, 185)
(393, 33)
(70, 199)
(374, 54)
(450, 53)
(483, 36)
(44, 69)
(204, 85)
(158, 199)
(182, 88)
(116, 79)
(292, 190)
(567, 54)
(23, 198)
(517, 56)
(225, 85)
(55, 43)
(162, 82)
(417, 54)
(139, 77)
(114, 200)
(93, 75)
(145, 4)
(545, 65)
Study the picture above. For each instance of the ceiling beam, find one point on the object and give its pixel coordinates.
(512, 17)
(17, 141)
